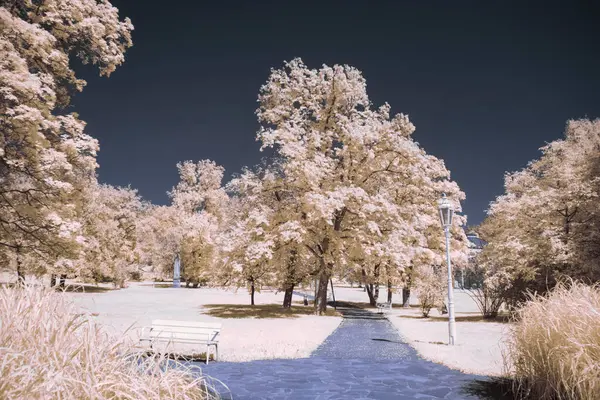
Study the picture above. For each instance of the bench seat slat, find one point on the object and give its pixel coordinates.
(205, 331)
(190, 324)
(176, 336)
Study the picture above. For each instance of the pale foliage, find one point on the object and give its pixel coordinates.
(160, 236)
(432, 286)
(261, 243)
(189, 227)
(109, 219)
(45, 156)
(366, 191)
(547, 223)
(554, 348)
(50, 351)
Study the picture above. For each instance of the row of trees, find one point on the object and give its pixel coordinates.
(48, 188)
(546, 227)
(347, 192)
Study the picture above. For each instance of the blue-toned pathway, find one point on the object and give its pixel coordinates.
(364, 358)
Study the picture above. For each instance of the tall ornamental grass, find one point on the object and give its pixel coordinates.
(49, 351)
(554, 349)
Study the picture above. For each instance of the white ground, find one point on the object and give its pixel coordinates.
(479, 344)
(478, 350)
(242, 339)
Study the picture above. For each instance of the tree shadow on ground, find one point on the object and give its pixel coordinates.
(194, 357)
(79, 288)
(495, 389)
(354, 304)
(460, 318)
(260, 311)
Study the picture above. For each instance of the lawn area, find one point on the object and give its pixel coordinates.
(249, 333)
(479, 343)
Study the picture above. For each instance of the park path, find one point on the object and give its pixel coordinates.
(364, 358)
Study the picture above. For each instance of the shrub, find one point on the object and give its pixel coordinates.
(49, 351)
(430, 287)
(554, 347)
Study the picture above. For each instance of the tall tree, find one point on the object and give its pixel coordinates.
(45, 157)
(367, 191)
(546, 224)
(109, 221)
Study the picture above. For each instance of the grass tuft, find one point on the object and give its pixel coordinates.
(48, 350)
(554, 348)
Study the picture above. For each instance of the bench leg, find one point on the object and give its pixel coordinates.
(216, 352)
(207, 353)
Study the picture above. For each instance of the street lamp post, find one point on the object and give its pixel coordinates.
(446, 213)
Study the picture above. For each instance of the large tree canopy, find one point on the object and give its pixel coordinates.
(547, 224)
(366, 191)
(45, 157)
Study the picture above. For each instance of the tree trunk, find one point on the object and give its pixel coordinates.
(252, 290)
(290, 280)
(63, 278)
(372, 298)
(389, 287)
(321, 299)
(20, 274)
(368, 287)
(406, 297)
(406, 292)
(287, 298)
(52, 280)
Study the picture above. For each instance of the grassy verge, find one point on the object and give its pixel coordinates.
(49, 350)
(554, 348)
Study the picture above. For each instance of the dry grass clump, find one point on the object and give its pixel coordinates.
(49, 351)
(554, 348)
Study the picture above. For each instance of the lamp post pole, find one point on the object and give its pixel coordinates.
(451, 320)
(446, 213)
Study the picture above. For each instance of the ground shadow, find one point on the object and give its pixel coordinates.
(84, 289)
(260, 311)
(166, 285)
(195, 357)
(460, 318)
(388, 340)
(353, 310)
(495, 389)
(354, 304)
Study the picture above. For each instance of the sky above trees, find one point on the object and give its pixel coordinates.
(485, 85)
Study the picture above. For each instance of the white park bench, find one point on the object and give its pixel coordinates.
(383, 307)
(185, 332)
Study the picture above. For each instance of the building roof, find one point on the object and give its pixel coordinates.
(475, 241)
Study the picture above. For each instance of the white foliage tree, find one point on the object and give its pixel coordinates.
(367, 191)
(546, 224)
(199, 202)
(109, 220)
(45, 156)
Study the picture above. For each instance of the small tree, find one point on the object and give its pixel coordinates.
(431, 288)
(492, 292)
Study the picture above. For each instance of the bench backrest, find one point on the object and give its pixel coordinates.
(184, 330)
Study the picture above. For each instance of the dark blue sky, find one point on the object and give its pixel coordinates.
(486, 85)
